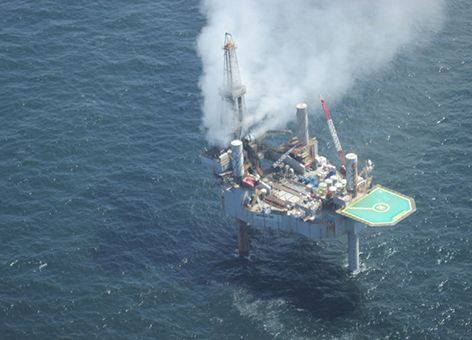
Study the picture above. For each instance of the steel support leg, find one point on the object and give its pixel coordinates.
(353, 250)
(243, 238)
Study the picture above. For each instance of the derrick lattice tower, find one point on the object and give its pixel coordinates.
(233, 90)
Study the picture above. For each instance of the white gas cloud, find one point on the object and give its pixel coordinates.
(292, 51)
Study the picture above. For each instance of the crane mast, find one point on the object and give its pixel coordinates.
(233, 90)
(332, 130)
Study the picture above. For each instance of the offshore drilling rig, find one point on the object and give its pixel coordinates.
(299, 190)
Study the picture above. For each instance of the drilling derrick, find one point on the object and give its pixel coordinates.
(233, 91)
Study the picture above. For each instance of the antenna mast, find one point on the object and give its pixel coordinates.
(233, 91)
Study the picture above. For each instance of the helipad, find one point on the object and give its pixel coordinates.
(380, 207)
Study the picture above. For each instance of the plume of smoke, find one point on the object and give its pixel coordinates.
(292, 51)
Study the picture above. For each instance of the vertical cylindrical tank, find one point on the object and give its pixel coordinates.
(329, 182)
(313, 144)
(332, 191)
(237, 160)
(322, 189)
(302, 119)
(351, 173)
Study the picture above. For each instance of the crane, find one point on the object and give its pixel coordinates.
(332, 130)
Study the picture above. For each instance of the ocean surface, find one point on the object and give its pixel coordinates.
(110, 227)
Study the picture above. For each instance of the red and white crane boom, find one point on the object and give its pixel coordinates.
(334, 135)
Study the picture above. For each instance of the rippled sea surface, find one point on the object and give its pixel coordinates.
(111, 228)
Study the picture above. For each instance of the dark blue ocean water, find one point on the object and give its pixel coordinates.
(110, 227)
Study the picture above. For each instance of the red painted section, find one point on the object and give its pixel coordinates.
(249, 182)
(342, 157)
(337, 143)
(325, 108)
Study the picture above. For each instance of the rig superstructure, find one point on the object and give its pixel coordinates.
(298, 190)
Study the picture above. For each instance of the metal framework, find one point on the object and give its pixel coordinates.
(233, 90)
(333, 132)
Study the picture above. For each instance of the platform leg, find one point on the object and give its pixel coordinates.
(243, 238)
(353, 250)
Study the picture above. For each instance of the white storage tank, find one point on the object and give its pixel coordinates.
(237, 160)
(329, 182)
(351, 172)
(302, 119)
(332, 191)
